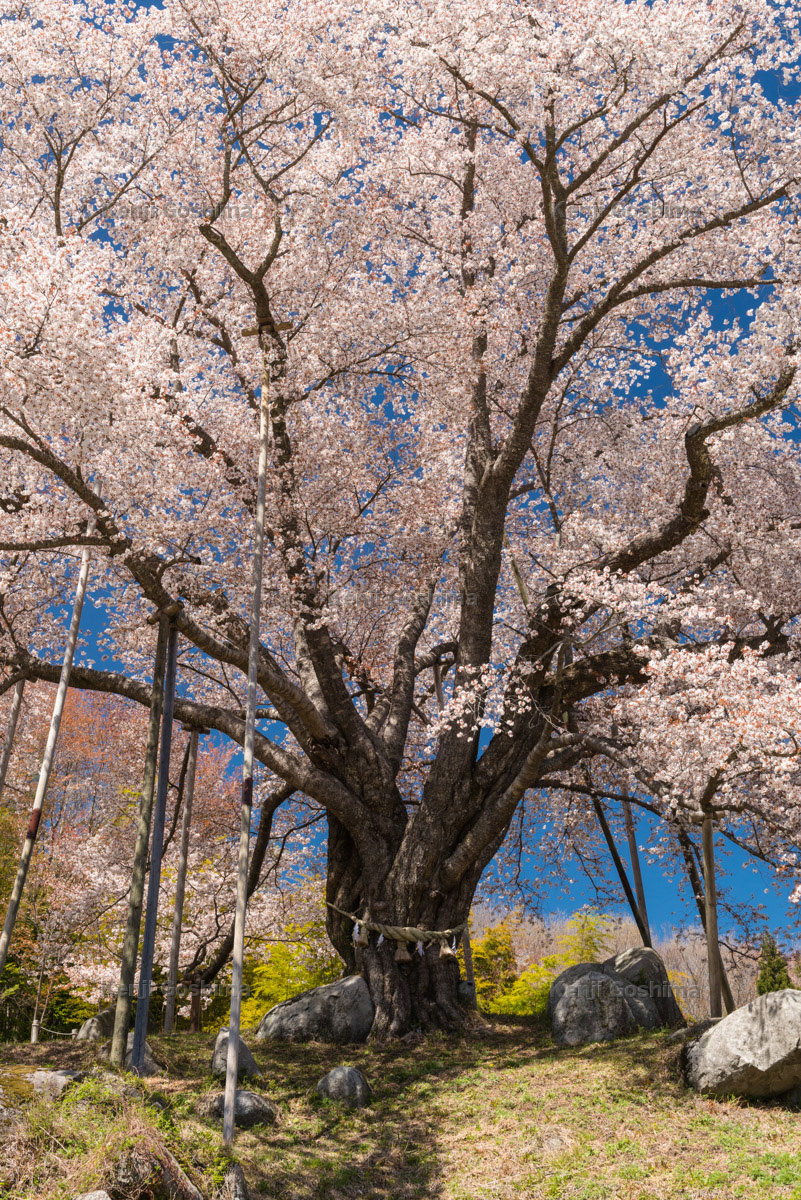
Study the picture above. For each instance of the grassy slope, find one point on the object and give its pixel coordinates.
(499, 1115)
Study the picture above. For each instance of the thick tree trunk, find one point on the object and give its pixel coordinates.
(409, 993)
(420, 994)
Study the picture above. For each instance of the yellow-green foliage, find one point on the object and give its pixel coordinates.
(494, 964)
(498, 987)
(303, 959)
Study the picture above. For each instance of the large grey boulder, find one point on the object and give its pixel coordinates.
(246, 1063)
(590, 1008)
(249, 1109)
(149, 1064)
(98, 1027)
(754, 1052)
(338, 1012)
(53, 1083)
(564, 981)
(347, 1085)
(642, 966)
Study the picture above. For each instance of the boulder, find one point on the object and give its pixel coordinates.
(53, 1083)
(246, 1063)
(590, 1008)
(94, 1196)
(347, 1085)
(99, 1027)
(642, 966)
(754, 1052)
(691, 1033)
(338, 1012)
(564, 981)
(149, 1064)
(249, 1109)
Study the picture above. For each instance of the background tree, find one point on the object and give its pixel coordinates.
(773, 972)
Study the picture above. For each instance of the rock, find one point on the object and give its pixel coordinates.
(590, 1008)
(154, 1173)
(149, 1064)
(234, 1186)
(347, 1085)
(94, 1196)
(97, 1028)
(754, 1052)
(338, 1012)
(246, 1063)
(564, 981)
(642, 966)
(249, 1109)
(53, 1083)
(691, 1033)
(643, 1008)
(466, 994)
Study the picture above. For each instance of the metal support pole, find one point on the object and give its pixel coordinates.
(130, 945)
(711, 909)
(49, 757)
(156, 845)
(11, 729)
(180, 883)
(232, 1062)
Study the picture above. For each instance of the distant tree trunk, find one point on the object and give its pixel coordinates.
(711, 907)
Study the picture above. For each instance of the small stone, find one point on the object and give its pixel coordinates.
(249, 1109)
(347, 1085)
(246, 1063)
(466, 994)
(94, 1196)
(53, 1083)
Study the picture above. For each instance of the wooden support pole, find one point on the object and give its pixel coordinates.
(621, 870)
(11, 729)
(49, 757)
(130, 945)
(232, 1062)
(634, 856)
(711, 909)
(180, 883)
(697, 889)
(156, 846)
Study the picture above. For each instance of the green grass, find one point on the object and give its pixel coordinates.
(501, 1114)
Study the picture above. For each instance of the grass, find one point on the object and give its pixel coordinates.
(501, 1114)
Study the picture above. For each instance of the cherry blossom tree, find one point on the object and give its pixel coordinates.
(517, 452)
